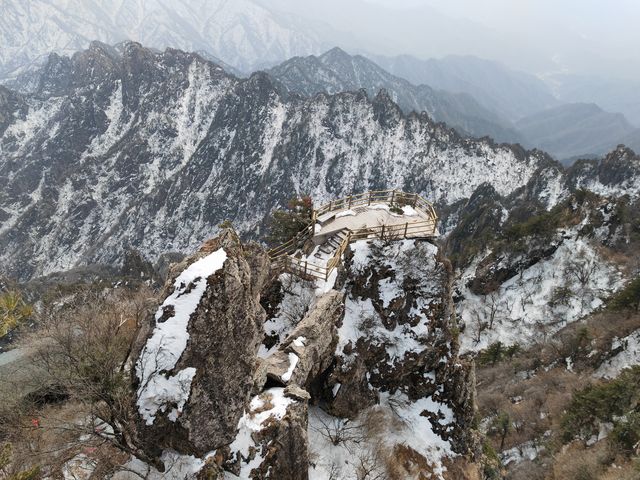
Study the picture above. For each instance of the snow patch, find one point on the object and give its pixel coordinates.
(169, 339)
(254, 421)
(626, 358)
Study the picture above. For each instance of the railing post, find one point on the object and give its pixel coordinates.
(331, 205)
(305, 267)
(369, 199)
(406, 225)
(350, 200)
(415, 200)
(382, 232)
(393, 195)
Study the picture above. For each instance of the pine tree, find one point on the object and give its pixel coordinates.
(285, 224)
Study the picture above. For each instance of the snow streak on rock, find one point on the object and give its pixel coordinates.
(158, 388)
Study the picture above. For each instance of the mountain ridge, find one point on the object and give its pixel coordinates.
(336, 70)
(153, 150)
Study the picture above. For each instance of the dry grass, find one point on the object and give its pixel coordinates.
(540, 377)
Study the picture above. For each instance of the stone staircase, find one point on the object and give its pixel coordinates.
(332, 244)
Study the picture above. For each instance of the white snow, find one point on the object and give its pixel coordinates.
(521, 307)
(177, 467)
(361, 317)
(628, 357)
(293, 361)
(80, 467)
(527, 451)
(299, 297)
(346, 213)
(379, 206)
(169, 339)
(396, 420)
(409, 211)
(253, 421)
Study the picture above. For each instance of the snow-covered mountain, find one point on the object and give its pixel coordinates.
(244, 33)
(153, 150)
(337, 71)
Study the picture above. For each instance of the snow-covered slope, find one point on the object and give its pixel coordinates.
(337, 71)
(154, 150)
(241, 32)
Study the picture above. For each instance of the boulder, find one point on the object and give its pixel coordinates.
(308, 350)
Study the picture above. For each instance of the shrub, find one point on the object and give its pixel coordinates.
(628, 298)
(496, 352)
(626, 432)
(13, 311)
(6, 472)
(561, 296)
(491, 465)
(285, 224)
(601, 403)
(544, 224)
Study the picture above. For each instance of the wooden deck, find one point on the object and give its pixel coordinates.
(387, 214)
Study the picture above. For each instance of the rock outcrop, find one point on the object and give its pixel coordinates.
(372, 367)
(308, 350)
(223, 328)
(399, 337)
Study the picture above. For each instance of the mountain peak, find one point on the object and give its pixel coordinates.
(334, 53)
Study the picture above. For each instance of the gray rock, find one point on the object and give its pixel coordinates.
(297, 393)
(313, 342)
(224, 333)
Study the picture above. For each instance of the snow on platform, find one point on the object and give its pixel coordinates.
(374, 215)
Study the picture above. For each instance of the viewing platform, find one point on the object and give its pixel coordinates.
(387, 214)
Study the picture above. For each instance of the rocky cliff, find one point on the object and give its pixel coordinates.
(135, 148)
(364, 377)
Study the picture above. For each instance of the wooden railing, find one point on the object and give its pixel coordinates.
(283, 260)
(396, 197)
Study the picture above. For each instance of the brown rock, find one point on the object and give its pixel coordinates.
(225, 331)
(313, 341)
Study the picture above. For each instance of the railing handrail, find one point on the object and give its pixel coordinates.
(280, 253)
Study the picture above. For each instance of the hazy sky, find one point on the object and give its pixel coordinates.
(541, 36)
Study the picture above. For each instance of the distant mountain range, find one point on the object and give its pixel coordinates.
(134, 148)
(477, 97)
(566, 131)
(510, 93)
(578, 129)
(243, 33)
(336, 71)
(614, 95)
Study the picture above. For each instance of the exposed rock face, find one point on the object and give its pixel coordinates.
(380, 355)
(272, 438)
(224, 331)
(308, 350)
(132, 147)
(399, 337)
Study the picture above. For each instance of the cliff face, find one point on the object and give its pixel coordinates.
(365, 376)
(195, 371)
(135, 148)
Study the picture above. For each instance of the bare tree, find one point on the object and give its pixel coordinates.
(340, 431)
(369, 466)
(82, 352)
(479, 325)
